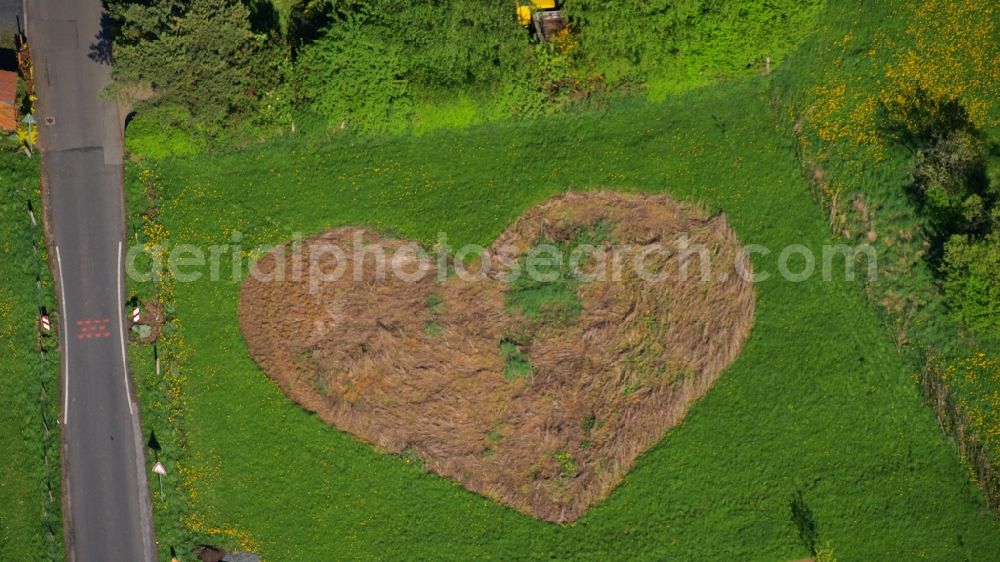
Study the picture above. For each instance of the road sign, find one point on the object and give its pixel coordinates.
(45, 323)
(160, 473)
(135, 315)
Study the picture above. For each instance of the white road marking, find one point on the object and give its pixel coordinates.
(121, 330)
(64, 315)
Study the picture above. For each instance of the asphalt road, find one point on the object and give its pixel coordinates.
(105, 496)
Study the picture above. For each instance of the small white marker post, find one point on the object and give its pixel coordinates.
(29, 120)
(160, 473)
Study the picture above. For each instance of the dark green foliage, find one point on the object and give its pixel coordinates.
(972, 283)
(136, 21)
(446, 43)
(626, 39)
(452, 42)
(392, 60)
(948, 172)
(377, 57)
(200, 55)
(956, 194)
(949, 177)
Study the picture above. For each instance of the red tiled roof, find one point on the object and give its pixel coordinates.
(8, 100)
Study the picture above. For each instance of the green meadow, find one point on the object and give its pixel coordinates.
(30, 525)
(820, 403)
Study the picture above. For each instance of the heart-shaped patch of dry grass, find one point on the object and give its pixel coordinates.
(542, 408)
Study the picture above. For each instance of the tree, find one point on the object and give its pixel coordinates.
(196, 54)
(949, 175)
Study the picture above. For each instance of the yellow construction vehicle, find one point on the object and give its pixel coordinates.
(541, 15)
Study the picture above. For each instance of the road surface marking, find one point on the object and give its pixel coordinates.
(65, 352)
(94, 328)
(121, 330)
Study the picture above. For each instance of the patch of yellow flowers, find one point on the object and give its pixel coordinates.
(242, 537)
(983, 415)
(953, 55)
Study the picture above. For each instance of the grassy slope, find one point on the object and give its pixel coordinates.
(819, 400)
(864, 51)
(22, 532)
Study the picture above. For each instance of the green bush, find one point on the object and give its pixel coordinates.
(354, 76)
(972, 283)
(452, 43)
(674, 41)
(941, 172)
(363, 62)
(161, 132)
(949, 177)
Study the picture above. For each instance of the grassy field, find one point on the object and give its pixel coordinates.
(819, 402)
(833, 89)
(30, 526)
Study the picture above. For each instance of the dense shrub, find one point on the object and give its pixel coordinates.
(950, 180)
(972, 283)
(453, 42)
(160, 133)
(643, 40)
(225, 62)
(354, 75)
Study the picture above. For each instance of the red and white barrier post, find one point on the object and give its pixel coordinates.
(135, 315)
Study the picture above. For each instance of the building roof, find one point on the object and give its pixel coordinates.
(8, 100)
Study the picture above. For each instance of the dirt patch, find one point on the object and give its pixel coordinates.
(210, 554)
(153, 317)
(544, 415)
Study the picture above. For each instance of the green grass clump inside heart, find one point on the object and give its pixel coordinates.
(516, 364)
(548, 294)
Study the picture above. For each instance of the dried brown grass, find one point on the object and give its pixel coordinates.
(636, 358)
